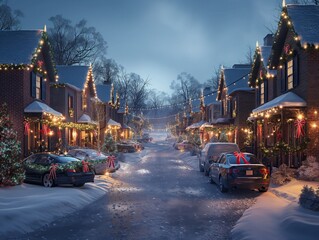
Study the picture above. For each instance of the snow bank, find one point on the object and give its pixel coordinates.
(277, 215)
(25, 207)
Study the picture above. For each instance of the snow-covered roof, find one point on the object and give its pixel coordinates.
(196, 125)
(289, 99)
(103, 92)
(111, 122)
(74, 75)
(236, 78)
(85, 119)
(17, 47)
(305, 20)
(265, 52)
(40, 107)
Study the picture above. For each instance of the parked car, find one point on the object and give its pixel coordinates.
(184, 145)
(239, 170)
(99, 160)
(138, 146)
(50, 170)
(145, 138)
(126, 147)
(211, 152)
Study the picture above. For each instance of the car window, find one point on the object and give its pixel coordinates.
(42, 159)
(250, 158)
(66, 159)
(222, 160)
(217, 149)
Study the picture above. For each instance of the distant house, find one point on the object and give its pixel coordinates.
(286, 115)
(74, 95)
(26, 70)
(237, 101)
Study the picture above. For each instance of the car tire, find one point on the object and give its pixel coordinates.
(211, 181)
(201, 169)
(263, 189)
(46, 181)
(79, 185)
(206, 173)
(221, 185)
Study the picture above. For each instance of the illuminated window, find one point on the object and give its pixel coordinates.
(262, 93)
(38, 87)
(290, 74)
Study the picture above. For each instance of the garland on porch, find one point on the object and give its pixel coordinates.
(282, 146)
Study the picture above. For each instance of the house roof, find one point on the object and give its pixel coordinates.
(305, 20)
(103, 92)
(236, 78)
(74, 75)
(40, 107)
(86, 119)
(288, 99)
(17, 47)
(111, 122)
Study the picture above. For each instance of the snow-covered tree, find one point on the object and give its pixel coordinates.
(309, 198)
(11, 170)
(109, 144)
(282, 175)
(309, 170)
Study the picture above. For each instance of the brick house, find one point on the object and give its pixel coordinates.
(237, 101)
(286, 116)
(75, 96)
(26, 69)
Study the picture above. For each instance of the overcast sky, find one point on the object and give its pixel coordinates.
(159, 39)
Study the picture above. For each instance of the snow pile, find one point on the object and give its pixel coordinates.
(277, 215)
(309, 170)
(25, 207)
(282, 175)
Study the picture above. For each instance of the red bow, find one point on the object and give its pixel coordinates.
(53, 168)
(239, 156)
(299, 124)
(111, 160)
(85, 166)
(26, 128)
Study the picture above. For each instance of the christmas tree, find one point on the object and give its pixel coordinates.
(109, 143)
(11, 170)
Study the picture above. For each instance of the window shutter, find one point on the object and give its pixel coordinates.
(283, 78)
(266, 90)
(43, 89)
(258, 94)
(33, 84)
(296, 70)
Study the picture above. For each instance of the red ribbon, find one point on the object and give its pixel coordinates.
(239, 156)
(26, 128)
(45, 129)
(111, 162)
(299, 123)
(53, 168)
(85, 166)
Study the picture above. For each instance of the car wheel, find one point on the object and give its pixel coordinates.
(206, 173)
(263, 189)
(201, 169)
(47, 181)
(211, 179)
(79, 185)
(222, 187)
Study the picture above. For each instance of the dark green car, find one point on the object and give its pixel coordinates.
(50, 170)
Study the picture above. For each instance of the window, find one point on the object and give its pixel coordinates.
(290, 74)
(84, 101)
(38, 87)
(262, 93)
(70, 106)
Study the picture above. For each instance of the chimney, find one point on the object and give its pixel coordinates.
(269, 39)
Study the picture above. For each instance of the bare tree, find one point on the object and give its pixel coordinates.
(75, 44)
(9, 19)
(157, 99)
(250, 55)
(214, 80)
(106, 70)
(138, 92)
(185, 87)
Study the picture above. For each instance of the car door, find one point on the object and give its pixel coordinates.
(217, 168)
(42, 164)
(203, 155)
(29, 166)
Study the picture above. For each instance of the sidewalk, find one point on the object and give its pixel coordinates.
(26, 207)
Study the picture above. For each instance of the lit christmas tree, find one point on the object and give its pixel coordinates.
(11, 170)
(109, 143)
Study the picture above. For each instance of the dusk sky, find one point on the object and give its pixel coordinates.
(159, 39)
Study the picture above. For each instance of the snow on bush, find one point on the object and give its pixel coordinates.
(309, 198)
(309, 170)
(282, 175)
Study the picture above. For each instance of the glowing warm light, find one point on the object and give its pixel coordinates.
(51, 133)
(300, 116)
(314, 125)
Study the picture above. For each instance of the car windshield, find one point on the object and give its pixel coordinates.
(65, 159)
(217, 149)
(248, 157)
(93, 153)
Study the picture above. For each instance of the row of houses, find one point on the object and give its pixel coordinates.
(54, 107)
(271, 107)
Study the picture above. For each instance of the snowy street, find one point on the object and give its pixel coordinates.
(159, 195)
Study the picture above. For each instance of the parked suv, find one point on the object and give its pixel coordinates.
(211, 153)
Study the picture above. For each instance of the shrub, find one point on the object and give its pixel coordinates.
(309, 170)
(309, 198)
(282, 175)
